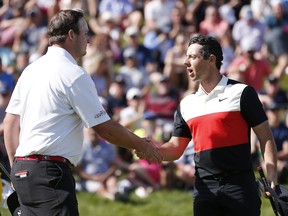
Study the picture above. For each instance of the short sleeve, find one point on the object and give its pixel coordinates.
(251, 107)
(85, 102)
(181, 129)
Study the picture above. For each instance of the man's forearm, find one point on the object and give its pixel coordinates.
(270, 159)
(268, 149)
(11, 135)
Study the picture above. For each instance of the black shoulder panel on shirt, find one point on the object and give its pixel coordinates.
(181, 128)
(251, 107)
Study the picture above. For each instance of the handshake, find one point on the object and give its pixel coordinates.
(149, 151)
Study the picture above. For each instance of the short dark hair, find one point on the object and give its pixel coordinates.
(210, 46)
(61, 23)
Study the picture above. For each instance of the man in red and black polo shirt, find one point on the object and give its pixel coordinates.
(219, 118)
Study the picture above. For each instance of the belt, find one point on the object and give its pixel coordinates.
(224, 175)
(36, 157)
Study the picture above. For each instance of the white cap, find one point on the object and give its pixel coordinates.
(129, 52)
(276, 2)
(132, 93)
(107, 16)
(248, 44)
(131, 31)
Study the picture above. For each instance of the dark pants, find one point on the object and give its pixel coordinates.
(235, 195)
(44, 188)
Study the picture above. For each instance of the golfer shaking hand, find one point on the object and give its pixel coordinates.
(219, 117)
(53, 100)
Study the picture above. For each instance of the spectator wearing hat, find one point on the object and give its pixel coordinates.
(271, 96)
(273, 92)
(21, 62)
(142, 176)
(160, 105)
(248, 30)
(162, 101)
(279, 130)
(117, 97)
(143, 55)
(7, 79)
(131, 116)
(247, 68)
(131, 72)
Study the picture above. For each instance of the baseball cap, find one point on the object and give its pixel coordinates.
(129, 52)
(272, 79)
(248, 44)
(107, 17)
(131, 31)
(119, 79)
(249, 14)
(163, 79)
(276, 2)
(133, 93)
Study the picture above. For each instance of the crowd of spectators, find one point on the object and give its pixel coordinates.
(135, 58)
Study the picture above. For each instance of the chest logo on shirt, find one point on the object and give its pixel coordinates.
(222, 99)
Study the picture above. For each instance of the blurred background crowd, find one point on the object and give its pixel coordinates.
(135, 58)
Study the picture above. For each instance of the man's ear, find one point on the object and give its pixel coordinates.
(212, 58)
(71, 34)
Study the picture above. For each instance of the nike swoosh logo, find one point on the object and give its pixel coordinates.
(221, 99)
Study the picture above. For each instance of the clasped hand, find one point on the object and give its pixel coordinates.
(149, 151)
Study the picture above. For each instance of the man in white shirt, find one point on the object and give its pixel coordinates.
(52, 101)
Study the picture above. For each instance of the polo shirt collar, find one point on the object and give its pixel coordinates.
(60, 51)
(218, 88)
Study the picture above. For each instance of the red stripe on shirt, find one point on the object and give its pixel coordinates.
(218, 130)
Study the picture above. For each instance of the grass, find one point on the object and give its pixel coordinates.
(160, 203)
